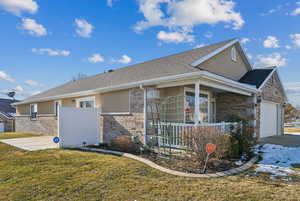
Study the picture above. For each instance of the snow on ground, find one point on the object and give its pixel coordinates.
(278, 159)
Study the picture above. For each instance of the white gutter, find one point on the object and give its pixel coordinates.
(197, 74)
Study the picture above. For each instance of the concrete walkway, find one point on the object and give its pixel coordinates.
(32, 143)
(287, 140)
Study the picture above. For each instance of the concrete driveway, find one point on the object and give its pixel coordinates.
(32, 143)
(287, 140)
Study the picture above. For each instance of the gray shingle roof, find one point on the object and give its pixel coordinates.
(256, 77)
(5, 106)
(166, 66)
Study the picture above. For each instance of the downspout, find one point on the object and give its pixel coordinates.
(145, 113)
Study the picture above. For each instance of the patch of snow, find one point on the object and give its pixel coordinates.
(239, 163)
(278, 159)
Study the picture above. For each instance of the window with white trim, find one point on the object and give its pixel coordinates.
(152, 93)
(88, 102)
(33, 111)
(233, 54)
(189, 107)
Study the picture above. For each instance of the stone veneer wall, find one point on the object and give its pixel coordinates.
(228, 104)
(128, 125)
(272, 91)
(45, 125)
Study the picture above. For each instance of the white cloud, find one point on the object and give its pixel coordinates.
(174, 37)
(271, 42)
(288, 47)
(51, 52)
(275, 59)
(297, 10)
(33, 28)
(19, 89)
(84, 29)
(31, 83)
(293, 92)
(6, 77)
(249, 56)
(245, 40)
(17, 7)
(95, 58)
(296, 39)
(124, 60)
(183, 15)
(110, 3)
(273, 10)
(200, 45)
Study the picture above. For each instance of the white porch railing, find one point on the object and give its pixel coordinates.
(170, 134)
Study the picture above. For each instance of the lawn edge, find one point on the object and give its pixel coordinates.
(230, 172)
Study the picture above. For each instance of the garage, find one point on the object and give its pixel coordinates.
(271, 119)
(1, 127)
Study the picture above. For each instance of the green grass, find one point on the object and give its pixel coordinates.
(58, 175)
(16, 135)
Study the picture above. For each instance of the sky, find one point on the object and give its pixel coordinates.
(45, 43)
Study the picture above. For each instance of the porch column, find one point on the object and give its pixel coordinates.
(197, 103)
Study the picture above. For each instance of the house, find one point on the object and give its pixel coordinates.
(7, 115)
(215, 82)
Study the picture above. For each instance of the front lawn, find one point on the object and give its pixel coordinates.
(58, 175)
(10, 135)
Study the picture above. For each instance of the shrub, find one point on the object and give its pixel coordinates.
(243, 138)
(125, 144)
(196, 139)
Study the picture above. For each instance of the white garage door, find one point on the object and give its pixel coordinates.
(270, 121)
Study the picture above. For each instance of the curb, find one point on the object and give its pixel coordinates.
(174, 172)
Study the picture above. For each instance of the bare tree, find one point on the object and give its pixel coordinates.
(290, 113)
(79, 76)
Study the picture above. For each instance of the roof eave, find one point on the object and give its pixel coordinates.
(150, 82)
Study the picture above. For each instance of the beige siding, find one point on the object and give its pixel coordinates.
(46, 108)
(23, 109)
(172, 91)
(222, 64)
(115, 101)
(71, 102)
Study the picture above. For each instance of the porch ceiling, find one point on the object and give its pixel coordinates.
(207, 84)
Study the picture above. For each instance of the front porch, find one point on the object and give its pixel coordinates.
(172, 109)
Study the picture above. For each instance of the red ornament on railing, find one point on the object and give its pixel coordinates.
(188, 109)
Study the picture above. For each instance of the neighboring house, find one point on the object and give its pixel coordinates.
(215, 81)
(7, 115)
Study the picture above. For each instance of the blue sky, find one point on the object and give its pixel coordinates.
(45, 43)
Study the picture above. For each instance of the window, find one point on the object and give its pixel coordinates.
(190, 107)
(88, 102)
(152, 94)
(33, 111)
(233, 54)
